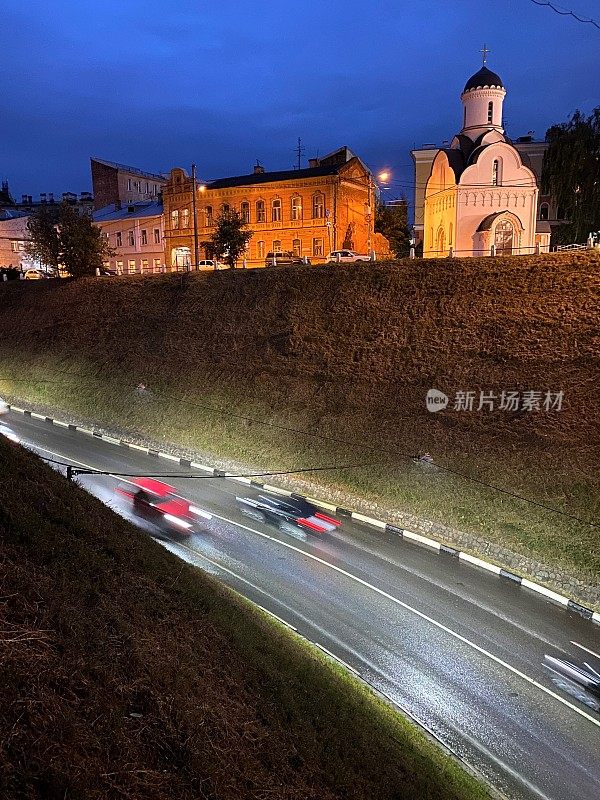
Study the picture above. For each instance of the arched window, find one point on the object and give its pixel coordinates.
(504, 237)
(277, 246)
(497, 172)
(318, 209)
(544, 211)
(261, 214)
(297, 247)
(465, 118)
(296, 207)
(276, 210)
(185, 218)
(209, 215)
(175, 219)
(225, 208)
(260, 249)
(490, 111)
(245, 212)
(450, 243)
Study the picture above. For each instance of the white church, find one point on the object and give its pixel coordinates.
(477, 197)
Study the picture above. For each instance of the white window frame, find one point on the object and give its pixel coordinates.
(276, 210)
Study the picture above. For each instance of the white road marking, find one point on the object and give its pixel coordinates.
(395, 600)
(591, 652)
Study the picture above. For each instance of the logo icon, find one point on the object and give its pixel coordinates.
(436, 400)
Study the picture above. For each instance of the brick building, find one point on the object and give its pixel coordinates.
(310, 212)
(114, 183)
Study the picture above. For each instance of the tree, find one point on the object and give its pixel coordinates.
(230, 238)
(68, 240)
(571, 174)
(392, 222)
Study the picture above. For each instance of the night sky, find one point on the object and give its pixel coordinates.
(157, 83)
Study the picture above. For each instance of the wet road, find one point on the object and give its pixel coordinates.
(459, 649)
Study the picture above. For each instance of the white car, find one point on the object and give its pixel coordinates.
(209, 263)
(3, 407)
(346, 257)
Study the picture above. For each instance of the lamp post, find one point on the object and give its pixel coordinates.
(195, 219)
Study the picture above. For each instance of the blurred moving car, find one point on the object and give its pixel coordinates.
(3, 407)
(345, 257)
(582, 683)
(284, 258)
(289, 514)
(160, 504)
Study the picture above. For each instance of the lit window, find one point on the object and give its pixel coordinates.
(296, 208)
(130, 239)
(209, 215)
(245, 212)
(119, 239)
(132, 265)
(297, 247)
(490, 112)
(185, 218)
(144, 264)
(261, 214)
(14, 246)
(317, 247)
(544, 211)
(276, 211)
(175, 219)
(144, 237)
(119, 267)
(260, 249)
(318, 206)
(157, 264)
(156, 235)
(277, 246)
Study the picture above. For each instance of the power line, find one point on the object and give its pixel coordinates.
(564, 12)
(397, 454)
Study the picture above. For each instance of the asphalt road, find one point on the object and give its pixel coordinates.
(459, 649)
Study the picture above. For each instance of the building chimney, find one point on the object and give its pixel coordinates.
(30, 199)
(51, 197)
(42, 197)
(258, 169)
(313, 162)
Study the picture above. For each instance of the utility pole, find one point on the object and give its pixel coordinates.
(194, 214)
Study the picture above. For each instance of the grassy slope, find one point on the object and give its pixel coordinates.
(347, 353)
(125, 673)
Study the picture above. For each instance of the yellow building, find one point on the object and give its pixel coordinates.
(309, 212)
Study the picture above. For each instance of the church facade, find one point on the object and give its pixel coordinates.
(477, 196)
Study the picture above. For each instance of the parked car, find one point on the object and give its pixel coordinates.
(160, 504)
(211, 263)
(288, 514)
(34, 275)
(346, 256)
(283, 258)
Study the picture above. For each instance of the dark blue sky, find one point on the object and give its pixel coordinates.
(158, 83)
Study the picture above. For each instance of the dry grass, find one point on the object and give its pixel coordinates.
(346, 354)
(127, 674)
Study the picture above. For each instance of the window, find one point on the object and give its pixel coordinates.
(175, 219)
(318, 209)
(209, 215)
(296, 208)
(14, 246)
(544, 211)
(260, 249)
(277, 246)
(450, 236)
(119, 267)
(157, 265)
(129, 184)
(496, 176)
(156, 235)
(132, 265)
(261, 214)
(185, 218)
(144, 265)
(245, 212)
(130, 239)
(144, 237)
(119, 239)
(276, 210)
(225, 208)
(297, 247)
(504, 237)
(465, 118)
(317, 247)
(490, 112)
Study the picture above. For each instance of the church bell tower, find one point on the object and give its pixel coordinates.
(482, 100)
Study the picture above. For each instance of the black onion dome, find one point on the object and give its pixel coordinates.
(484, 78)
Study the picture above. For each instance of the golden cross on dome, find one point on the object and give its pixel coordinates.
(484, 52)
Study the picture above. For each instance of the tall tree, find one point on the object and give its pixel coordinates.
(392, 222)
(571, 174)
(67, 240)
(230, 237)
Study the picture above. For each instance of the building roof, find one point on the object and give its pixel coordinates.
(269, 177)
(142, 208)
(125, 168)
(483, 78)
(487, 222)
(11, 213)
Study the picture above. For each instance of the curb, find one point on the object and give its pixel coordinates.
(403, 533)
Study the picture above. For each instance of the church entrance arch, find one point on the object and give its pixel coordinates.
(504, 237)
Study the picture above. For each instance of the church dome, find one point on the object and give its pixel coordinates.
(484, 78)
